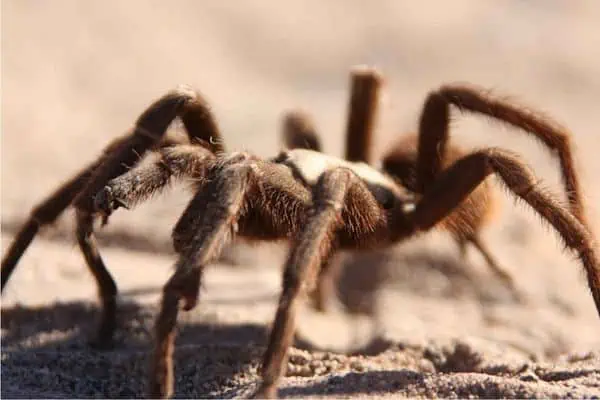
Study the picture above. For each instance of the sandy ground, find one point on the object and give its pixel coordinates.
(415, 321)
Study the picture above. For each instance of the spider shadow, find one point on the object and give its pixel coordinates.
(45, 350)
(420, 271)
(53, 341)
(46, 353)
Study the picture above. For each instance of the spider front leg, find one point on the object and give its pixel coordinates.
(149, 130)
(170, 164)
(220, 203)
(147, 134)
(129, 189)
(117, 158)
(122, 153)
(458, 181)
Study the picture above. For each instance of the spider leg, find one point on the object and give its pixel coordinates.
(107, 288)
(148, 133)
(475, 240)
(121, 155)
(145, 180)
(434, 153)
(299, 131)
(365, 83)
(500, 272)
(312, 245)
(221, 202)
(434, 135)
(81, 188)
(47, 211)
(43, 214)
(149, 130)
(459, 180)
(200, 124)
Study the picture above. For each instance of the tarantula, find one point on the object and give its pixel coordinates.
(400, 162)
(319, 203)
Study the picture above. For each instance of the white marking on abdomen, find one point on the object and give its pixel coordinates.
(312, 164)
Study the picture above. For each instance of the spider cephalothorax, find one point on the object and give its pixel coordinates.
(319, 203)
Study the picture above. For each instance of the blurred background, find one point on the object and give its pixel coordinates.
(77, 73)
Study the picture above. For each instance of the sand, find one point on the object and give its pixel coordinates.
(415, 321)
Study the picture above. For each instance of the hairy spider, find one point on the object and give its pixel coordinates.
(320, 203)
(323, 204)
(464, 223)
(118, 157)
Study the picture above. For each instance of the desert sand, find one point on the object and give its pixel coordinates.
(415, 321)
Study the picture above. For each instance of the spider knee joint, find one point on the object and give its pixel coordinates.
(184, 285)
(185, 91)
(335, 177)
(327, 184)
(240, 165)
